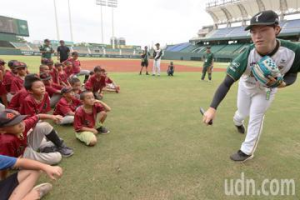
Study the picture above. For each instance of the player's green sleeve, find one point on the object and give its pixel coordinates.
(239, 65)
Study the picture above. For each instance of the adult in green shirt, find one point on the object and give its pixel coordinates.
(208, 64)
(46, 50)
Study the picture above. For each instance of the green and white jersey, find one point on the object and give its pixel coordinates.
(208, 58)
(287, 59)
(48, 50)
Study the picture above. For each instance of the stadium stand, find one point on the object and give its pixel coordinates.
(228, 41)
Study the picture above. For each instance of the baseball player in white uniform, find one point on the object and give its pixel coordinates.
(253, 99)
(157, 54)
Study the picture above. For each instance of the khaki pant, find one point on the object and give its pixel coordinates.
(67, 120)
(36, 140)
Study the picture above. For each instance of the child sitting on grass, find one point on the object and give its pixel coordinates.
(18, 81)
(53, 89)
(96, 82)
(171, 69)
(20, 185)
(89, 118)
(37, 101)
(23, 136)
(110, 85)
(66, 106)
(76, 86)
(61, 75)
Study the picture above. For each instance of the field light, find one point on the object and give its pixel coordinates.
(112, 4)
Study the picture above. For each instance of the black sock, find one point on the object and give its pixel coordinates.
(53, 137)
(86, 77)
(209, 76)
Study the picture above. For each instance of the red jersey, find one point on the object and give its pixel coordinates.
(108, 80)
(95, 84)
(63, 107)
(14, 146)
(53, 89)
(30, 107)
(69, 71)
(16, 84)
(2, 89)
(76, 65)
(54, 75)
(7, 79)
(63, 77)
(83, 119)
(15, 102)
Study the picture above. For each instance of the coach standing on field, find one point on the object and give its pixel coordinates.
(63, 52)
(46, 50)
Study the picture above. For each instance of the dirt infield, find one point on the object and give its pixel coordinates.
(134, 66)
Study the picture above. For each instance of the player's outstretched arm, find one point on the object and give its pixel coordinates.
(220, 94)
(53, 172)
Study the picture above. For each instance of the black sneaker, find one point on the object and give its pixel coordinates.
(49, 149)
(102, 130)
(147, 73)
(240, 129)
(153, 74)
(140, 73)
(240, 156)
(65, 151)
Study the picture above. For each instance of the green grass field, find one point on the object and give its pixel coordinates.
(158, 147)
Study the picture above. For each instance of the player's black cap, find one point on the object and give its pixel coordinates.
(45, 76)
(157, 44)
(46, 40)
(208, 47)
(19, 65)
(10, 117)
(267, 17)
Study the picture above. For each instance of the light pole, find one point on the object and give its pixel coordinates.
(113, 4)
(70, 21)
(101, 3)
(56, 21)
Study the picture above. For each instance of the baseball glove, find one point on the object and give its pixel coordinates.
(265, 70)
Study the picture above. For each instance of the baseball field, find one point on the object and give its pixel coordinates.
(158, 147)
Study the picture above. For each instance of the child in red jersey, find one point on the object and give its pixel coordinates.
(3, 92)
(26, 137)
(37, 101)
(89, 118)
(66, 106)
(9, 75)
(17, 100)
(96, 82)
(53, 89)
(76, 86)
(44, 69)
(61, 74)
(68, 68)
(18, 81)
(76, 65)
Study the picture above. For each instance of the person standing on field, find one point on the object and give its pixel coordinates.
(145, 60)
(208, 64)
(157, 54)
(46, 50)
(63, 52)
